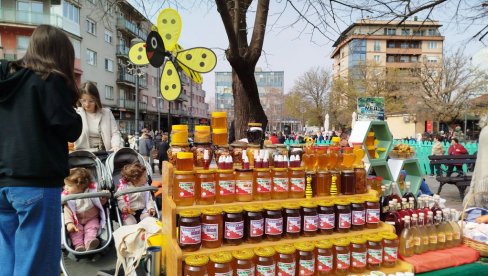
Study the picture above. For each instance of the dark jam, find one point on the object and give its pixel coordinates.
(358, 214)
(233, 225)
(310, 218)
(292, 220)
(343, 216)
(189, 231)
(273, 222)
(327, 216)
(253, 223)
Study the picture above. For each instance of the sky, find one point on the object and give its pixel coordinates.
(290, 49)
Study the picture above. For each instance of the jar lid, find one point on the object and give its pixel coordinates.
(221, 257)
(219, 114)
(238, 145)
(205, 171)
(184, 155)
(280, 169)
(190, 213)
(184, 172)
(179, 127)
(212, 211)
(325, 203)
(358, 240)
(291, 205)
(219, 131)
(347, 171)
(343, 202)
(179, 144)
(226, 146)
(323, 244)
(264, 251)
(388, 235)
(243, 254)
(272, 207)
(253, 208)
(357, 200)
(196, 260)
(261, 169)
(255, 124)
(225, 171)
(336, 139)
(298, 169)
(233, 209)
(308, 204)
(371, 199)
(341, 242)
(285, 249)
(374, 238)
(371, 133)
(202, 128)
(304, 246)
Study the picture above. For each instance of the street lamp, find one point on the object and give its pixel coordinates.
(138, 73)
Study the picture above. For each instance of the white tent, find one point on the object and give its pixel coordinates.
(354, 118)
(326, 123)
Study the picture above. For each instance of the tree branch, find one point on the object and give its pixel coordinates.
(257, 39)
(229, 28)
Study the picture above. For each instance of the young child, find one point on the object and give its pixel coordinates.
(135, 206)
(83, 217)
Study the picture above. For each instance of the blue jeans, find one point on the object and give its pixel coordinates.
(30, 231)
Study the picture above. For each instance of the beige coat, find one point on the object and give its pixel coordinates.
(438, 149)
(108, 128)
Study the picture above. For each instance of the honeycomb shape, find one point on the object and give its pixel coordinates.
(382, 133)
(411, 166)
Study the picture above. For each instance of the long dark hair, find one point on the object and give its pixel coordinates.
(89, 88)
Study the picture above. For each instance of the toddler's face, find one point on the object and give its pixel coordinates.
(141, 181)
(74, 189)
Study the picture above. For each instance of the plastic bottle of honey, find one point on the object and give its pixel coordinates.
(358, 254)
(226, 186)
(219, 119)
(324, 264)
(306, 258)
(342, 256)
(195, 265)
(262, 184)
(280, 185)
(212, 227)
(323, 159)
(244, 188)
(184, 161)
(297, 182)
(205, 187)
(221, 264)
(243, 263)
(265, 261)
(285, 259)
(184, 188)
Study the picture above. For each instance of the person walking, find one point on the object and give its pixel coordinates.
(437, 149)
(38, 94)
(163, 151)
(145, 145)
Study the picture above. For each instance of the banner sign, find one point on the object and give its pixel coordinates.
(371, 109)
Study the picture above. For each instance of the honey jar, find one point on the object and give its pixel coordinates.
(212, 227)
(195, 265)
(325, 258)
(244, 188)
(221, 264)
(184, 188)
(273, 221)
(179, 134)
(280, 185)
(285, 259)
(184, 161)
(375, 251)
(233, 225)
(306, 258)
(253, 223)
(243, 262)
(310, 218)
(226, 186)
(265, 261)
(262, 184)
(189, 230)
(297, 182)
(342, 256)
(358, 254)
(205, 187)
(202, 134)
(219, 120)
(219, 136)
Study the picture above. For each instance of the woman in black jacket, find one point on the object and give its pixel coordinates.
(37, 96)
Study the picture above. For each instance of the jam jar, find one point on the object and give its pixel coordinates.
(360, 178)
(285, 259)
(297, 182)
(280, 183)
(195, 265)
(358, 254)
(358, 214)
(233, 225)
(212, 227)
(243, 263)
(375, 251)
(273, 222)
(255, 133)
(244, 189)
(306, 258)
(342, 256)
(343, 215)
(184, 188)
(310, 218)
(325, 258)
(226, 186)
(390, 249)
(253, 223)
(205, 187)
(189, 230)
(292, 220)
(347, 183)
(221, 264)
(372, 212)
(326, 217)
(198, 151)
(262, 184)
(265, 261)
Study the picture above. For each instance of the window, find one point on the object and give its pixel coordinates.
(71, 12)
(109, 92)
(153, 102)
(432, 59)
(376, 58)
(391, 44)
(91, 57)
(144, 99)
(22, 42)
(413, 58)
(108, 36)
(377, 45)
(404, 45)
(404, 59)
(432, 44)
(390, 31)
(418, 32)
(91, 27)
(109, 65)
(405, 31)
(432, 32)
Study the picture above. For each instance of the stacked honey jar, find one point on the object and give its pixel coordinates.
(324, 257)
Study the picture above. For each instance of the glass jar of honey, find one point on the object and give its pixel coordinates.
(253, 223)
(358, 254)
(253, 150)
(262, 184)
(226, 186)
(305, 258)
(271, 149)
(184, 161)
(292, 220)
(347, 183)
(285, 259)
(348, 158)
(265, 261)
(221, 264)
(310, 218)
(323, 183)
(360, 180)
(370, 139)
(255, 133)
(198, 151)
(390, 249)
(202, 134)
(205, 187)
(219, 136)
(219, 119)
(189, 230)
(375, 251)
(297, 183)
(179, 134)
(237, 149)
(195, 265)
(358, 214)
(335, 183)
(233, 225)
(326, 215)
(244, 181)
(343, 215)
(212, 227)
(372, 212)
(243, 262)
(325, 258)
(184, 188)
(273, 221)
(279, 184)
(342, 256)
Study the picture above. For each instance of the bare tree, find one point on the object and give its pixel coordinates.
(342, 103)
(296, 107)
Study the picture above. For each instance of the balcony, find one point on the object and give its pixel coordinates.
(130, 80)
(30, 18)
(179, 112)
(128, 26)
(183, 98)
(127, 104)
(404, 51)
(401, 64)
(122, 50)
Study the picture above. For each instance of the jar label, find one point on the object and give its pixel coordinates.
(345, 220)
(410, 243)
(207, 189)
(190, 235)
(286, 269)
(223, 274)
(324, 263)
(441, 237)
(245, 272)
(243, 187)
(210, 232)
(274, 226)
(280, 185)
(265, 270)
(234, 230)
(310, 223)
(297, 184)
(391, 253)
(343, 261)
(358, 217)
(186, 189)
(293, 224)
(375, 256)
(306, 267)
(326, 221)
(433, 239)
(417, 241)
(227, 187)
(373, 216)
(358, 259)
(257, 227)
(264, 185)
(448, 236)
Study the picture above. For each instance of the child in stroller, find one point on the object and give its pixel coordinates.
(139, 205)
(83, 217)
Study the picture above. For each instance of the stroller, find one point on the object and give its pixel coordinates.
(87, 160)
(114, 164)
